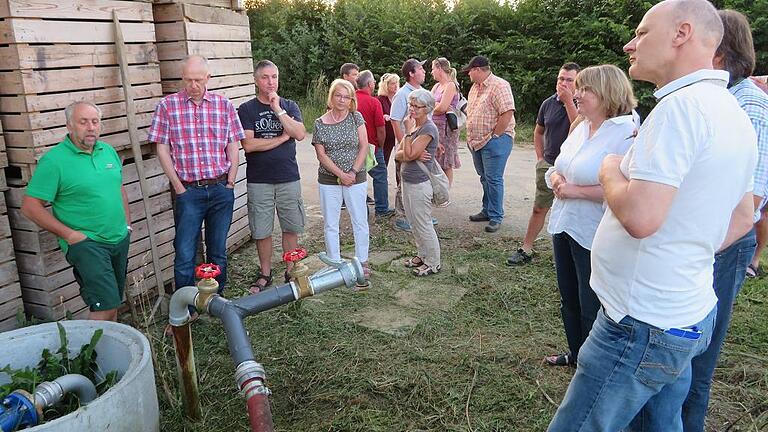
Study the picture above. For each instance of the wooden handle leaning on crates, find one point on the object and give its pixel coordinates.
(130, 111)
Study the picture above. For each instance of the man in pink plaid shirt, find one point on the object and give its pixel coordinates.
(198, 134)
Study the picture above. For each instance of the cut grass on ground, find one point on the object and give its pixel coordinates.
(459, 351)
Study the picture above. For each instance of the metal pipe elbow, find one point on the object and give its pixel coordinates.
(184, 297)
(52, 392)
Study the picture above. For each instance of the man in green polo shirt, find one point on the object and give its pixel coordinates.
(82, 179)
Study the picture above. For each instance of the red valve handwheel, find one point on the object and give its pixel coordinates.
(207, 271)
(295, 255)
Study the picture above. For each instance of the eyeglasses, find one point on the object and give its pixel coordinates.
(414, 106)
(342, 97)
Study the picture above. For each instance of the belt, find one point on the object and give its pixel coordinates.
(206, 182)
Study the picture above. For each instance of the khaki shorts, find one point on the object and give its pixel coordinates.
(544, 195)
(264, 199)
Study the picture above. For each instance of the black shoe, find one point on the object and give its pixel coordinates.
(343, 205)
(480, 217)
(492, 226)
(520, 257)
(369, 200)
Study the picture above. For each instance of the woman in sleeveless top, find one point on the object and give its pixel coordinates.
(446, 94)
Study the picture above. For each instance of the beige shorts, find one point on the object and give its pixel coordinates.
(264, 199)
(544, 195)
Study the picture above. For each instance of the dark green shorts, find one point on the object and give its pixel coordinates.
(100, 270)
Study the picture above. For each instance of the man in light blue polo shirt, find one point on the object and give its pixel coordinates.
(667, 216)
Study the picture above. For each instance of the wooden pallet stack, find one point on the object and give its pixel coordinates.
(10, 289)
(52, 54)
(212, 29)
(221, 35)
(55, 53)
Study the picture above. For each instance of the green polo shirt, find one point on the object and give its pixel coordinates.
(84, 190)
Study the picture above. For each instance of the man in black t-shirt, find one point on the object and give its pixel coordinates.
(272, 125)
(556, 114)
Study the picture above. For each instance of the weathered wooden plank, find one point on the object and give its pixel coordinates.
(33, 103)
(76, 9)
(9, 273)
(11, 291)
(9, 323)
(8, 310)
(67, 80)
(27, 157)
(217, 32)
(212, 15)
(246, 91)
(212, 3)
(19, 30)
(54, 296)
(169, 32)
(67, 55)
(171, 69)
(214, 83)
(44, 120)
(47, 137)
(74, 306)
(180, 49)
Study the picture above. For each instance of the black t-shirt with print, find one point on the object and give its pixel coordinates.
(277, 165)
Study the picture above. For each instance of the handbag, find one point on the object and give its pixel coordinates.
(439, 181)
(457, 117)
(370, 158)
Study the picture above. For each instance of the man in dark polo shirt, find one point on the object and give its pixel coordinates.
(556, 114)
(373, 114)
(78, 176)
(272, 125)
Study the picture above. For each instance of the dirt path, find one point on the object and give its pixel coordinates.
(466, 192)
(402, 301)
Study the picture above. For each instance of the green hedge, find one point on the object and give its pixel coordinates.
(526, 40)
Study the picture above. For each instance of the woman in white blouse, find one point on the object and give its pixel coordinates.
(605, 102)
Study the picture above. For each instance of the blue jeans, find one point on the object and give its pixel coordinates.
(212, 204)
(730, 270)
(380, 185)
(623, 365)
(490, 162)
(578, 303)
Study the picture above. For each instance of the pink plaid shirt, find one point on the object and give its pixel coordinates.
(198, 134)
(486, 102)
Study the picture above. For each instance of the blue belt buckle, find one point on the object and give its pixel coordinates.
(692, 332)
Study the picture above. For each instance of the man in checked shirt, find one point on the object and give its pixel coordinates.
(198, 135)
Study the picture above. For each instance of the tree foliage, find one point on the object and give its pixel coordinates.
(526, 40)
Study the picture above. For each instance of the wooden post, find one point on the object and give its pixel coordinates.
(130, 111)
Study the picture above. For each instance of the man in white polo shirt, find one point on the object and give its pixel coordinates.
(681, 193)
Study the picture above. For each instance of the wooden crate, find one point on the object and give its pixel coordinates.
(229, 4)
(220, 34)
(56, 53)
(10, 290)
(48, 285)
(239, 232)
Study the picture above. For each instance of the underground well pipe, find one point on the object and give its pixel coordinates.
(52, 392)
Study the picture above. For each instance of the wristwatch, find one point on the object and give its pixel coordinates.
(281, 113)
(494, 136)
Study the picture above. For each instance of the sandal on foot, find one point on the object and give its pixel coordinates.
(752, 271)
(563, 359)
(425, 270)
(413, 262)
(256, 287)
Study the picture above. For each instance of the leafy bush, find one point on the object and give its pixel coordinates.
(526, 40)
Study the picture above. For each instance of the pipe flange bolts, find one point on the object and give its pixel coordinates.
(247, 371)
